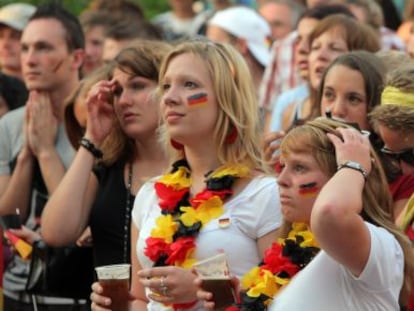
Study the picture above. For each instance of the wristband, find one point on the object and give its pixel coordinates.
(355, 166)
(88, 145)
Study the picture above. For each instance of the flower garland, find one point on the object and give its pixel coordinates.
(172, 240)
(281, 262)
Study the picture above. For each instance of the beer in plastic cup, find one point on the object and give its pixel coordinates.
(216, 279)
(114, 280)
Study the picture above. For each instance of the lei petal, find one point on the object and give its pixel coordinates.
(281, 262)
(168, 198)
(210, 209)
(235, 170)
(189, 216)
(179, 250)
(165, 228)
(177, 180)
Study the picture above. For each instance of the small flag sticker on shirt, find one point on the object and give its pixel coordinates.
(224, 223)
(198, 99)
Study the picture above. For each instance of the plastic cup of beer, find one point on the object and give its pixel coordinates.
(215, 276)
(114, 280)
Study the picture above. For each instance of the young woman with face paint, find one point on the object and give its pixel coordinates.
(332, 184)
(217, 197)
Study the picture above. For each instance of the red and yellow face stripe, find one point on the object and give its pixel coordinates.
(198, 99)
(309, 190)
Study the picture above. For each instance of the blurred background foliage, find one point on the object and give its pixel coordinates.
(151, 7)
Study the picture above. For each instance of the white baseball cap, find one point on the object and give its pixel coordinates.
(247, 24)
(16, 15)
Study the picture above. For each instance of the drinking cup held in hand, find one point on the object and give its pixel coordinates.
(114, 280)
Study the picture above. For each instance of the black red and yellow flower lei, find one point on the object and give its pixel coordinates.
(281, 262)
(172, 240)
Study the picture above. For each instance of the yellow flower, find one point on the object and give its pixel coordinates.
(178, 180)
(207, 210)
(165, 228)
(260, 282)
(308, 239)
(302, 230)
(250, 278)
(189, 216)
(235, 170)
(189, 261)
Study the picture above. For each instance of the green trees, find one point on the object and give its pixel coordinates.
(151, 7)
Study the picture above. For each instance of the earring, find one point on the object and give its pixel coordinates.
(231, 138)
(176, 145)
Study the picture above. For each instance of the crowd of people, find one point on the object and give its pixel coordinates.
(277, 132)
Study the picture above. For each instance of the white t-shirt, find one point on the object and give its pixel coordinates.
(252, 213)
(325, 285)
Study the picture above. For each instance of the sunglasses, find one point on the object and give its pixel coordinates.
(406, 155)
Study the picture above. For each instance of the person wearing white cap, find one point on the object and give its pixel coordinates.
(13, 19)
(246, 30)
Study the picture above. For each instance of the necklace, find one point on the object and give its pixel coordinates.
(172, 240)
(127, 213)
(282, 260)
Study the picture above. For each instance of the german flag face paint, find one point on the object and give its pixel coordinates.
(309, 190)
(197, 100)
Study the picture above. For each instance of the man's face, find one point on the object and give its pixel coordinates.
(46, 62)
(9, 49)
(94, 45)
(279, 17)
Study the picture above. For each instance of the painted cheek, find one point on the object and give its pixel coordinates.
(197, 100)
(308, 190)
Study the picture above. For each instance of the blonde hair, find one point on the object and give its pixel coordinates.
(397, 115)
(377, 208)
(236, 98)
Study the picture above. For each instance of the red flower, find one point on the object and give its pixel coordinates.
(179, 249)
(275, 262)
(168, 196)
(208, 194)
(156, 247)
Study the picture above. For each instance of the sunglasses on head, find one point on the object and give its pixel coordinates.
(406, 155)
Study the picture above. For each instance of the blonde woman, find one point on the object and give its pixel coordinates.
(217, 197)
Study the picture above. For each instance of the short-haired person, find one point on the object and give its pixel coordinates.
(13, 19)
(282, 16)
(217, 197)
(248, 32)
(33, 142)
(94, 25)
(364, 261)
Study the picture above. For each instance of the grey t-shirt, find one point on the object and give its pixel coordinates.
(11, 140)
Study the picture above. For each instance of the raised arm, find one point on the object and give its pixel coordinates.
(67, 211)
(335, 219)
